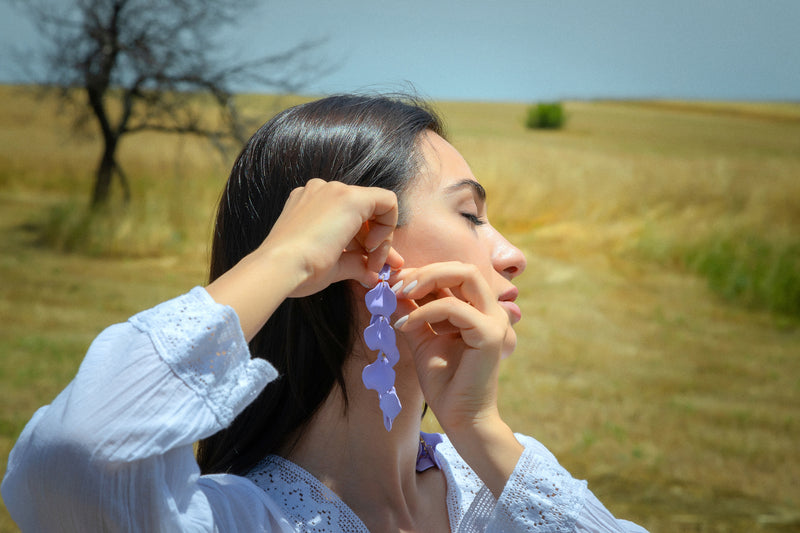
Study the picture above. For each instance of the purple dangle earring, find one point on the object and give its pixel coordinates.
(379, 335)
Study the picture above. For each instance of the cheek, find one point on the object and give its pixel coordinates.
(441, 236)
(435, 243)
(422, 244)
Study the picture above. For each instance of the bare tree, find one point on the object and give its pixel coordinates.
(136, 65)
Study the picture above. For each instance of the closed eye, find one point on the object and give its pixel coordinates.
(474, 219)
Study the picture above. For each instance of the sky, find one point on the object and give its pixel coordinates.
(525, 51)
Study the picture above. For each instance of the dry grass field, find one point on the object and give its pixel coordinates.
(659, 354)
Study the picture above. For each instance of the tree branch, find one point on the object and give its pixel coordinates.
(153, 58)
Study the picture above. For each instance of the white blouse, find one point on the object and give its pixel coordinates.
(113, 452)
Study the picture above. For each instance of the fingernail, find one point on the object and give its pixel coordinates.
(400, 321)
(397, 286)
(378, 246)
(410, 287)
(364, 285)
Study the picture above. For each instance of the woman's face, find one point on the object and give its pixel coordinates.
(447, 221)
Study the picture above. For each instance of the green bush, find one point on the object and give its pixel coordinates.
(751, 270)
(747, 268)
(546, 115)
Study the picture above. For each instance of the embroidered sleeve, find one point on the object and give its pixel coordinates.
(203, 343)
(114, 450)
(542, 496)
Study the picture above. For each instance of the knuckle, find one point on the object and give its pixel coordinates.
(450, 303)
(465, 270)
(310, 185)
(390, 195)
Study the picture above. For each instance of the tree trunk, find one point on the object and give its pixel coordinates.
(105, 172)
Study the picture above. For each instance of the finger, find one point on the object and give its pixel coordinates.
(477, 330)
(352, 265)
(377, 235)
(394, 259)
(382, 255)
(357, 243)
(464, 280)
(382, 215)
(453, 310)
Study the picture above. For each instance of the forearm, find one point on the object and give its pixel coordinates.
(256, 286)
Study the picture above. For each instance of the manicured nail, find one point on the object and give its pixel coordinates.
(378, 246)
(400, 321)
(410, 287)
(397, 286)
(364, 285)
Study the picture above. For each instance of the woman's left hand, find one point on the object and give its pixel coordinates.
(458, 335)
(457, 360)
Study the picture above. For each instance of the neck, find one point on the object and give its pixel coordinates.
(351, 452)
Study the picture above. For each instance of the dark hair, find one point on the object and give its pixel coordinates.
(358, 140)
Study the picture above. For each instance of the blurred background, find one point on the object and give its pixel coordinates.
(644, 155)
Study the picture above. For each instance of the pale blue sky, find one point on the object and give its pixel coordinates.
(531, 50)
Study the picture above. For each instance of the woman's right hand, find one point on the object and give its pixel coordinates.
(323, 235)
(327, 228)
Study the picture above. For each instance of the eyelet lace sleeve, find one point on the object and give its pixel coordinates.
(203, 344)
(540, 496)
(113, 451)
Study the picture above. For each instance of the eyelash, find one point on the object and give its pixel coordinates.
(473, 219)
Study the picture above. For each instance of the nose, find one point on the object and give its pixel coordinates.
(507, 258)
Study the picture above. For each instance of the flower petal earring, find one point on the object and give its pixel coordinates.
(379, 335)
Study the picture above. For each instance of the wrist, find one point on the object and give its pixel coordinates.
(489, 446)
(279, 267)
(256, 286)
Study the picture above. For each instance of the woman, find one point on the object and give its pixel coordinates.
(318, 201)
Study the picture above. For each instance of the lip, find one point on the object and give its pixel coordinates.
(506, 300)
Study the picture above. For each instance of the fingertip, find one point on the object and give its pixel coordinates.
(379, 257)
(394, 259)
(410, 287)
(401, 322)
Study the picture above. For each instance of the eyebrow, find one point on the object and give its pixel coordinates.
(474, 185)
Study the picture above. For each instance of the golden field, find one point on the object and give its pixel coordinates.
(678, 403)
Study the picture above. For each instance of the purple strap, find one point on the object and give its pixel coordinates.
(426, 456)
